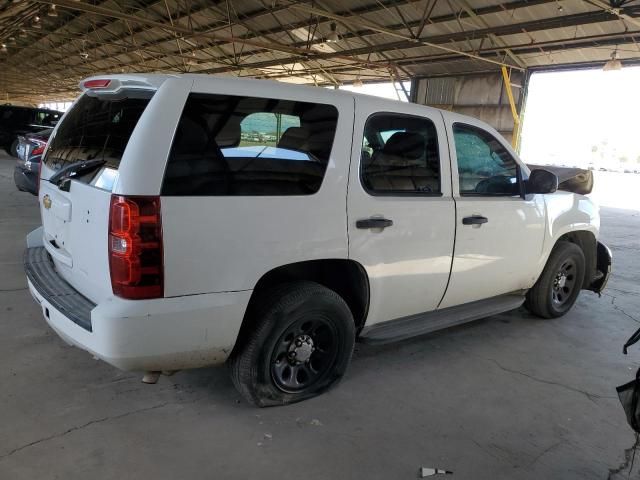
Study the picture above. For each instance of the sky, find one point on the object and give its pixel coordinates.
(582, 118)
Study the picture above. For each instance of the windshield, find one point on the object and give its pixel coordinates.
(98, 127)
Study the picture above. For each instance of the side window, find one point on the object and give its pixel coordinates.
(5, 116)
(400, 155)
(229, 145)
(47, 119)
(485, 167)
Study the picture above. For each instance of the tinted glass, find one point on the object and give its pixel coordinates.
(47, 118)
(230, 145)
(97, 127)
(15, 117)
(400, 155)
(5, 114)
(485, 167)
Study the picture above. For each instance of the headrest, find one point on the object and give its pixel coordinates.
(407, 145)
(229, 134)
(294, 138)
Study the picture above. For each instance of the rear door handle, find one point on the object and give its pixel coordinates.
(474, 220)
(374, 223)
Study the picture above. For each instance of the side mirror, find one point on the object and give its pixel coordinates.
(542, 181)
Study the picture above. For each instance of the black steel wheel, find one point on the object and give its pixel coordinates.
(564, 283)
(296, 344)
(304, 354)
(560, 283)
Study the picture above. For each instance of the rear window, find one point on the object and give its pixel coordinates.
(98, 127)
(14, 117)
(232, 145)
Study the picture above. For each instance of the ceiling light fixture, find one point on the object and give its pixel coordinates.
(3, 48)
(22, 33)
(333, 37)
(614, 63)
(36, 22)
(52, 11)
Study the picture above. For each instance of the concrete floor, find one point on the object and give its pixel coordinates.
(508, 397)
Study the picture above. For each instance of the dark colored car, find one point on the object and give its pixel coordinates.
(27, 170)
(15, 121)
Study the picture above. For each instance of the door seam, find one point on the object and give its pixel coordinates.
(455, 213)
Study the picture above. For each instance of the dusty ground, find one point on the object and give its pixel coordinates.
(508, 397)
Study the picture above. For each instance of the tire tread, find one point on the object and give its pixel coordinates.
(242, 363)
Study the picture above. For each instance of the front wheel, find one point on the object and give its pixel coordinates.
(558, 287)
(299, 345)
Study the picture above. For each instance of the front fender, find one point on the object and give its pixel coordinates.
(567, 212)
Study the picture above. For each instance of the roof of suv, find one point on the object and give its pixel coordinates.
(155, 80)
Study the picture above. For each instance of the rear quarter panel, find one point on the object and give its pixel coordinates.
(219, 244)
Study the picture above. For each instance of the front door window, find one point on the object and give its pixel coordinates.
(485, 167)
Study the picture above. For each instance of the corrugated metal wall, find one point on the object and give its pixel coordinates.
(482, 96)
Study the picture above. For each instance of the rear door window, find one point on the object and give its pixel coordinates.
(98, 127)
(231, 145)
(400, 156)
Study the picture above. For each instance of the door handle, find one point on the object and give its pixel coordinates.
(474, 220)
(374, 223)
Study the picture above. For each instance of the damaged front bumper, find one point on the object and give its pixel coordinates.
(603, 269)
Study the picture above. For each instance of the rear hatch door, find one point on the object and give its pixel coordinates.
(79, 171)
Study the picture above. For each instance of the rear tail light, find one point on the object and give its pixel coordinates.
(38, 149)
(135, 247)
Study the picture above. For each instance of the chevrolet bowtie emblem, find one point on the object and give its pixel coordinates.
(46, 201)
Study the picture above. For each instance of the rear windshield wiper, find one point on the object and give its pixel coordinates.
(77, 168)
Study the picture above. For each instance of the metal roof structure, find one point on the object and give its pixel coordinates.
(47, 47)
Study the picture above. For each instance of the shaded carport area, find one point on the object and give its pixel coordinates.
(511, 396)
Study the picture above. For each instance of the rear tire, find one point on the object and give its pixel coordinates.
(13, 150)
(560, 283)
(298, 346)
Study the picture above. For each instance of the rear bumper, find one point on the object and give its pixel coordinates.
(26, 181)
(161, 334)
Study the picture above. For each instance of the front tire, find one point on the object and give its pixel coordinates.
(558, 287)
(299, 345)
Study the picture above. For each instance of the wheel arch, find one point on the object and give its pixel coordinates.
(347, 278)
(588, 243)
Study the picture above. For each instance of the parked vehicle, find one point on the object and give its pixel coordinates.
(27, 169)
(16, 121)
(169, 242)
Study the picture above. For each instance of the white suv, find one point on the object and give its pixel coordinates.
(188, 220)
